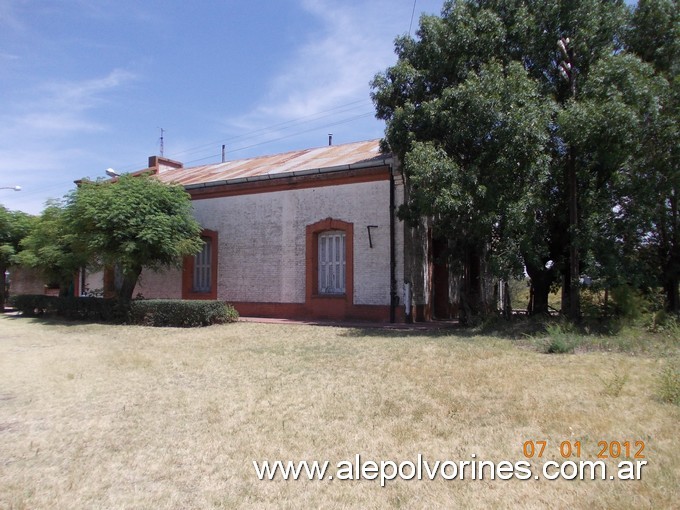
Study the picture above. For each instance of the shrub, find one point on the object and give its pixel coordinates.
(562, 339)
(152, 312)
(83, 308)
(91, 308)
(613, 385)
(180, 313)
(629, 303)
(32, 305)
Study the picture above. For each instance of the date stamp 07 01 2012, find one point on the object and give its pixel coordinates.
(605, 449)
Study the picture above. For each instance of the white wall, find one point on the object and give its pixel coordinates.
(262, 240)
(261, 243)
(94, 282)
(166, 284)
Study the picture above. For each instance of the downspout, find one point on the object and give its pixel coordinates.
(393, 263)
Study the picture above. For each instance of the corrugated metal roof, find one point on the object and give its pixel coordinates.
(321, 158)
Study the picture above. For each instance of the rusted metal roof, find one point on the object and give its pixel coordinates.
(329, 158)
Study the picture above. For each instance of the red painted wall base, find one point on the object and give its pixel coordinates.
(302, 311)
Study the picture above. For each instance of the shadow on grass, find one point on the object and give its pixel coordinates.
(51, 320)
(514, 329)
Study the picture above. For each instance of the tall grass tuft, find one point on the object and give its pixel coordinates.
(562, 339)
(669, 384)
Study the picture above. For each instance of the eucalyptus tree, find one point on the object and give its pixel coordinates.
(482, 107)
(655, 37)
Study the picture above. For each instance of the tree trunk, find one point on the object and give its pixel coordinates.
(507, 301)
(475, 281)
(672, 295)
(3, 290)
(541, 279)
(574, 310)
(471, 295)
(541, 293)
(126, 282)
(673, 269)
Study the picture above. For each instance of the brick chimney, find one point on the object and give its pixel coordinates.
(161, 164)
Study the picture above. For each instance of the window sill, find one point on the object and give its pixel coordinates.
(200, 295)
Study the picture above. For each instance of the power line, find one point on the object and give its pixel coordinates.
(251, 135)
(413, 13)
(277, 127)
(282, 126)
(297, 133)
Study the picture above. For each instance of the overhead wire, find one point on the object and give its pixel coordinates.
(253, 135)
(282, 126)
(413, 13)
(297, 133)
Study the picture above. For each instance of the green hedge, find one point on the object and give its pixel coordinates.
(181, 313)
(33, 304)
(77, 308)
(151, 312)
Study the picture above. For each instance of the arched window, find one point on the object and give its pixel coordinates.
(199, 279)
(332, 262)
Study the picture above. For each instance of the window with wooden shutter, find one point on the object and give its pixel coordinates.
(203, 268)
(332, 262)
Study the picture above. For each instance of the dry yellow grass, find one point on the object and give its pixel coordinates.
(97, 416)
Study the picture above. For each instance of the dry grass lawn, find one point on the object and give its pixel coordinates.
(100, 416)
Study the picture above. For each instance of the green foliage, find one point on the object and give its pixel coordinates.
(134, 222)
(629, 303)
(152, 312)
(48, 247)
(655, 37)
(476, 109)
(666, 323)
(654, 34)
(32, 305)
(669, 384)
(14, 226)
(561, 339)
(181, 313)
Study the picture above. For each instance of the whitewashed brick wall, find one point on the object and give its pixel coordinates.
(262, 243)
(166, 284)
(262, 240)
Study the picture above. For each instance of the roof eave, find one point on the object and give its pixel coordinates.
(385, 161)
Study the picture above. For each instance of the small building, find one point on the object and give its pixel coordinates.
(308, 234)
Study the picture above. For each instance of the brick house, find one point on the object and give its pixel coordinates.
(304, 234)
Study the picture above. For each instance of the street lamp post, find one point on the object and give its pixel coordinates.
(15, 188)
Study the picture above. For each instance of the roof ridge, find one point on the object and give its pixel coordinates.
(284, 154)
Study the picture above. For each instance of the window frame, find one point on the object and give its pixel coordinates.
(332, 260)
(314, 298)
(188, 273)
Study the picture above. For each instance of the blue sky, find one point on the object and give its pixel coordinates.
(87, 84)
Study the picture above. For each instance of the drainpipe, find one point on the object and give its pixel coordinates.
(407, 303)
(393, 264)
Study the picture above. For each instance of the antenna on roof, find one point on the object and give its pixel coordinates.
(162, 146)
(330, 139)
(224, 152)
